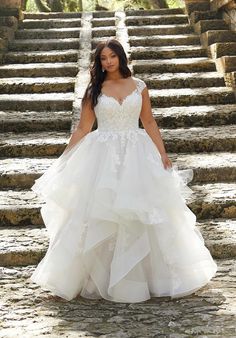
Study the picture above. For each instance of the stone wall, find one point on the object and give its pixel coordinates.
(214, 21)
(11, 3)
(227, 9)
(229, 15)
(10, 13)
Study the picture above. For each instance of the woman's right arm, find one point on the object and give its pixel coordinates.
(87, 118)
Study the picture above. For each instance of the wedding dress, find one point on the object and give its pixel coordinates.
(117, 220)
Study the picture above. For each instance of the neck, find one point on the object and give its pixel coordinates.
(114, 76)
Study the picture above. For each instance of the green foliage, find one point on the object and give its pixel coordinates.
(175, 3)
(31, 6)
(89, 5)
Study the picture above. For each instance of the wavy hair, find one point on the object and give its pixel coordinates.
(97, 76)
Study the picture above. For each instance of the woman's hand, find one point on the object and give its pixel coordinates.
(166, 161)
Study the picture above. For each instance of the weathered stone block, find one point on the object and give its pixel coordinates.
(9, 21)
(52, 15)
(229, 15)
(226, 64)
(206, 25)
(11, 3)
(213, 36)
(219, 49)
(7, 33)
(3, 44)
(11, 12)
(52, 56)
(201, 15)
(148, 20)
(230, 79)
(28, 34)
(39, 69)
(133, 12)
(50, 23)
(217, 4)
(196, 5)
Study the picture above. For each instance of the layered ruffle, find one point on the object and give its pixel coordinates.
(118, 223)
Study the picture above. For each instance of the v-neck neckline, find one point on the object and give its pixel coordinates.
(123, 100)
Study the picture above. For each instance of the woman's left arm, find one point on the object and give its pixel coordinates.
(152, 128)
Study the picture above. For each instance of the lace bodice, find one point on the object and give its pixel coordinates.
(115, 116)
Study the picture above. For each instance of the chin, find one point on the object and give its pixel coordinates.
(112, 70)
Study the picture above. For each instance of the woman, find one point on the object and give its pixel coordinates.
(115, 210)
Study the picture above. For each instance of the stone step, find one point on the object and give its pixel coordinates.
(214, 200)
(196, 139)
(191, 96)
(200, 6)
(36, 85)
(33, 144)
(20, 173)
(104, 31)
(160, 29)
(179, 65)
(50, 23)
(219, 236)
(38, 102)
(56, 33)
(159, 98)
(195, 116)
(227, 64)
(20, 208)
(216, 50)
(167, 52)
(21, 255)
(103, 14)
(70, 55)
(200, 139)
(51, 15)
(44, 44)
(18, 57)
(17, 121)
(164, 40)
(211, 200)
(39, 69)
(204, 15)
(183, 80)
(156, 20)
(171, 117)
(161, 11)
(22, 246)
(205, 25)
(214, 36)
(103, 22)
(36, 310)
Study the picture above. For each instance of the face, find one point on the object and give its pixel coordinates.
(109, 60)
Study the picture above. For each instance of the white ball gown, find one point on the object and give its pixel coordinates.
(117, 220)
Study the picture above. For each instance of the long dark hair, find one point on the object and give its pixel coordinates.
(97, 76)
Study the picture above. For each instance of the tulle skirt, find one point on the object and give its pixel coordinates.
(118, 224)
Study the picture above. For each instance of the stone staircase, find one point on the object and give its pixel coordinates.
(191, 104)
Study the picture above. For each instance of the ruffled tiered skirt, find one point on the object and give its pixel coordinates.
(118, 224)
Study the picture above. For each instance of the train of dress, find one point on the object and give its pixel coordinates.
(118, 224)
